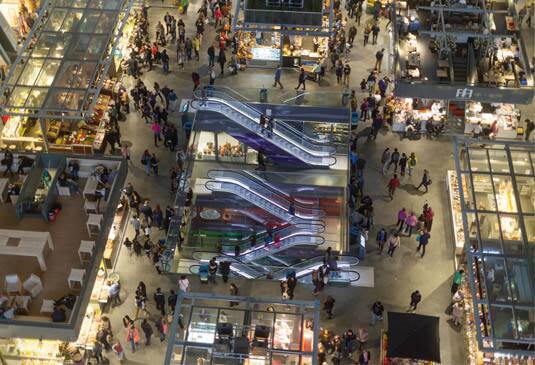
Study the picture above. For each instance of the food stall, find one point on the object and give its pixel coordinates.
(302, 50)
(213, 146)
(507, 117)
(259, 48)
(420, 110)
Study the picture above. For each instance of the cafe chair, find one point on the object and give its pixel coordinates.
(12, 284)
(76, 279)
(33, 285)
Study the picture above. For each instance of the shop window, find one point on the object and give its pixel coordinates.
(499, 162)
(505, 195)
(498, 289)
(205, 146)
(483, 192)
(287, 334)
(529, 223)
(202, 325)
(521, 163)
(503, 322)
(478, 160)
(519, 275)
(197, 355)
(284, 359)
(526, 190)
(510, 227)
(524, 323)
(230, 149)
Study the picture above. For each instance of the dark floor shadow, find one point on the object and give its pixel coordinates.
(454, 327)
(411, 189)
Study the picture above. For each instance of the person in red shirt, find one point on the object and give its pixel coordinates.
(429, 214)
(393, 184)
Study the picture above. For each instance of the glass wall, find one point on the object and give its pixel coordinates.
(498, 185)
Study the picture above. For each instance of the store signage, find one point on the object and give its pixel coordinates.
(464, 94)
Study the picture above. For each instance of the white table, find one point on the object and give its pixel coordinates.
(94, 220)
(3, 189)
(90, 187)
(30, 244)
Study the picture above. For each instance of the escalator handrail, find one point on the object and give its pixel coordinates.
(320, 258)
(279, 121)
(207, 183)
(258, 181)
(249, 116)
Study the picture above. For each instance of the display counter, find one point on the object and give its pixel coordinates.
(221, 146)
(23, 133)
(35, 351)
(455, 210)
(506, 117)
(402, 110)
(303, 51)
(259, 48)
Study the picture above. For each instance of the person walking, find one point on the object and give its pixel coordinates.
(402, 164)
(211, 55)
(457, 280)
(114, 290)
(402, 215)
(394, 160)
(212, 270)
(278, 74)
(292, 283)
(416, 298)
(393, 184)
(381, 240)
(132, 336)
(222, 59)
(426, 181)
(393, 242)
(367, 32)
(156, 130)
(351, 35)
(410, 223)
(375, 33)
(183, 284)
(161, 327)
(377, 312)
(119, 351)
(159, 300)
(301, 79)
(328, 306)
(224, 269)
(411, 162)
(233, 289)
(530, 127)
(347, 72)
(423, 240)
(147, 330)
(429, 215)
(379, 59)
(154, 162)
(136, 224)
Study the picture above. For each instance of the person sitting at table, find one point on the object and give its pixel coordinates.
(58, 315)
(72, 168)
(64, 181)
(477, 131)
(7, 311)
(102, 174)
(13, 189)
(101, 192)
(24, 162)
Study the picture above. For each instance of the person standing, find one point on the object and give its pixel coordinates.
(423, 241)
(136, 224)
(292, 283)
(159, 299)
(381, 239)
(171, 301)
(224, 269)
(394, 159)
(402, 215)
(393, 242)
(347, 72)
(379, 59)
(233, 289)
(119, 351)
(161, 327)
(410, 223)
(351, 35)
(113, 291)
(426, 181)
(403, 164)
(412, 162)
(457, 280)
(222, 59)
(154, 162)
(301, 79)
(165, 61)
(132, 336)
(212, 270)
(530, 127)
(393, 184)
(328, 306)
(375, 33)
(183, 284)
(416, 298)
(367, 32)
(147, 330)
(278, 74)
(156, 130)
(211, 55)
(429, 215)
(377, 312)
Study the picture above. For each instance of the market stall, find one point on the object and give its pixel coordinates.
(210, 146)
(506, 117)
(302, 50)
(259, 48)
(417, 110)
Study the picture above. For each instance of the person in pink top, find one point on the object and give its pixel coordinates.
(402, 214)
(410, 223)
(157, 130)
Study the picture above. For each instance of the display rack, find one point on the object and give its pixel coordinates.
(455, 210)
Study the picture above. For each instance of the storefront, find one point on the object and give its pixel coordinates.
(220, 146)
(269, 331)
(505, 117)
(492, 196)
(58, 104)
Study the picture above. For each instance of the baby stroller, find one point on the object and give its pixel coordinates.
(203, 273)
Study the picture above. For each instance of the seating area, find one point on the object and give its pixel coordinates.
(43, 263)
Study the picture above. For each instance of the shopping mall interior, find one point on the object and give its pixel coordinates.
(269, 179)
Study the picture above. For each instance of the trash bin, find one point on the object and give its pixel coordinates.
(345, 97)
(263, 95)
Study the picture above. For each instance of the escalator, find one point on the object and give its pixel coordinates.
(284, 137)
(269, 204)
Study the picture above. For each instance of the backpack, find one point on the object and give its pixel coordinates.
(412, 162)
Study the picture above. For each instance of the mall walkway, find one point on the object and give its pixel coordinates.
(405, 272)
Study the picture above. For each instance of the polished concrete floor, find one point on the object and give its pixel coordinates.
(395, 278)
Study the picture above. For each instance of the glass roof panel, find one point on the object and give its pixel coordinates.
(63, 61)
(522, 163)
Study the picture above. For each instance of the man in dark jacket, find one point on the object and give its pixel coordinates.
(171, 301)
(211, 56)
(416, 298)
(159, 299)
(212, 270)
(147, 330)
(301, 79)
